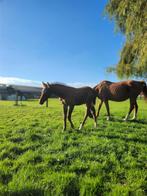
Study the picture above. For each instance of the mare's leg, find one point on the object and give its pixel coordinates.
(69, 115)
(65, 108)
(130, 110)
(135, 111)
(94, 115)
(107, 108)
(86, 115)
(100, 105)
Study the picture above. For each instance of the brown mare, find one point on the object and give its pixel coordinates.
(120, 91)
(70, 97)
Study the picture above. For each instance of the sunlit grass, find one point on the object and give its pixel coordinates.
(37, 158)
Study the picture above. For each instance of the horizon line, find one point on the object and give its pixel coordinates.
(28, 82)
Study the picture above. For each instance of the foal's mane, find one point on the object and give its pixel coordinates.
(59, 83)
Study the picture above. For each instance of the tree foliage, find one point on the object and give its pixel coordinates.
(130, 17)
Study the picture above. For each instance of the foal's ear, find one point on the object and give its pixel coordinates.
(44, 85)
(48, 85)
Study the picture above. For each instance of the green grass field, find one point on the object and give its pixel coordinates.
(37, 158)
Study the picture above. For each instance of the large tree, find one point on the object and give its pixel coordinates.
(130, 17)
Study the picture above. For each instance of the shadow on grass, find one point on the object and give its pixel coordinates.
(124, 138)
(138, 121)
(32, 192)
(129, 121)
(20, 105)
(39, 192)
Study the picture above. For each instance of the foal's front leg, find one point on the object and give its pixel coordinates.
(94, 115)
(69, 115)
(65, 108)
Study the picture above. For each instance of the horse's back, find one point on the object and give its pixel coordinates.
(115, 91)
(119, 91)
(82, 95)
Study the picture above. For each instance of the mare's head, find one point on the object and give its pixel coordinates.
(46, 92)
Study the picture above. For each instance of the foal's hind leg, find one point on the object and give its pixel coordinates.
(86, 115)
(94, 115)
(69, 115)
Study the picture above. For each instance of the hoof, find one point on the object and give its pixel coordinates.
(108, 118)
(126, 118)
(64, 129)
(133, 119)
(80, 127)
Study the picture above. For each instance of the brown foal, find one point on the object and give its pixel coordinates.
(70, 97)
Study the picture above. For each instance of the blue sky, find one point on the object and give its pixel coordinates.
(57, 40)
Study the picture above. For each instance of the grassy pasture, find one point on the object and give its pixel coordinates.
(37, 158)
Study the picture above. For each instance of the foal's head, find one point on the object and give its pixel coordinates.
(46, 92)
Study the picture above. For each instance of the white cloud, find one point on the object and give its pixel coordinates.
(26, 82)
(19, 81)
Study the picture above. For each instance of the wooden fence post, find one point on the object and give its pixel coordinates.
(16, 100)
(47, 103)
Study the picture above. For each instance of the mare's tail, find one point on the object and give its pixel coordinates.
(144, 91)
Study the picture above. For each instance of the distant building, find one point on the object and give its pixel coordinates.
(13, 92)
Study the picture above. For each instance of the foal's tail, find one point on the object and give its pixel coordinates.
(94, 99)
(93, 102)
(90, 114)
(144, 91)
